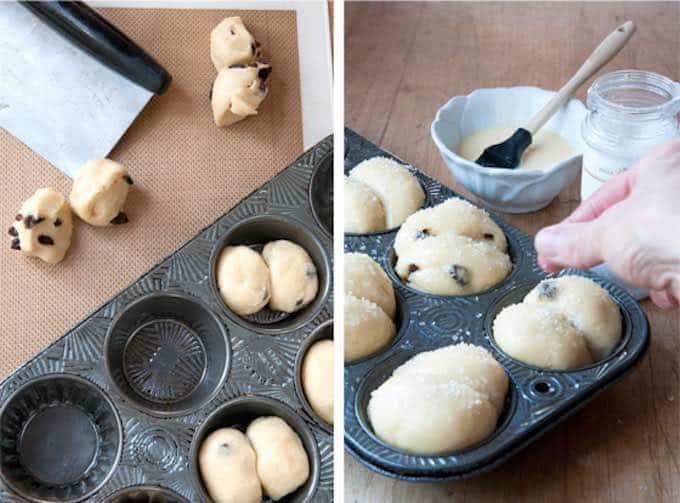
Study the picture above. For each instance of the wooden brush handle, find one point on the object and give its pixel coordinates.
(604, 53)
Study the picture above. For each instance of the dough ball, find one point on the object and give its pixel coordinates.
(397, 188)
(439, 401)
(293, 276)
(367, 328)
(43, 226)
(364, 210)
(282, 462)
(317, 378)
(228, 467)
(231, 43)
(588, 307)
(365, 279)
(243, 279)
(99, 192)
(449, 264)
(454, 215)
(540, 337)
(238, 92)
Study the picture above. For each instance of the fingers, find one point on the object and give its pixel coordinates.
(664, 299)
(614, 191)
(569, 245)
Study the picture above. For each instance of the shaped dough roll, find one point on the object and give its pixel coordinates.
(231, 43)
(238, 92)
(99, 191)
(365, 279)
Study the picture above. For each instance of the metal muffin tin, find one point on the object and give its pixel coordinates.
(537, 399)
(114, 410)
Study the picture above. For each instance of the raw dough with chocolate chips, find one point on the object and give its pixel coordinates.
(364, 211)
(588, 307)
(367, 328)
(317, 378)
(231, 43)
(238, 92)
(99, 192)
(454, 215)
(282, 462)
(540, 337)
(397, 188)
(449, 264)
(365, 279)
(293, 276)
(227, 463)
(43, 226)
(243, 279)
(440, 401)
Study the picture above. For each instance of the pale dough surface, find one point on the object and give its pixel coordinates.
(228, 467)
(588, 307)
(43, 226)
(365, 279)
(439, 401)
(238, 92)
(231, 43)
(546, 150)
(364, 210)
(397, 188)
(367, 328)
(99, 191)
(243, 279)
(282, 462)
(317, 378)
(540, 337)
(449, 264)
(293, 276)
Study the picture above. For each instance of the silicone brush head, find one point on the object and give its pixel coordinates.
(508, 154)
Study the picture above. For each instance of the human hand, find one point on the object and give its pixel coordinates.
(632, 223)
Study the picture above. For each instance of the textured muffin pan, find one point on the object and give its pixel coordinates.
(537, 399)
(109, 412)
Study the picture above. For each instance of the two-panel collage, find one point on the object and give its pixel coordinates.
(340, 251)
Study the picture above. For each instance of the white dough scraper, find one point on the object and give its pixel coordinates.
(71, 83)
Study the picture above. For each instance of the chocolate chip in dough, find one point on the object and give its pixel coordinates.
(298, 303)
(119, 219)
(253, 48)
(45, 240)
(57, 222)
(13, 232)
(19, 217)
(310, 270)
(15, 244)
(547, 290)
(423, 234)
(264, 72)
(30, 221)
(257, 44)
(412, 268)
(232, 31)
(488, 236)
(459, 274)
(128, 178)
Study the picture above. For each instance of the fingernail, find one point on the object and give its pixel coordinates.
(547, 241)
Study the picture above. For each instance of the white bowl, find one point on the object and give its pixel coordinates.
(508, 190)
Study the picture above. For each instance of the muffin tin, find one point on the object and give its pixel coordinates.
(114, 410)
(537, 399)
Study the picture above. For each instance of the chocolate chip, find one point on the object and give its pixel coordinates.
(423, 234)
(45, 240)
(257, 44)
(210, 94)
(459, 274)
(30, 221)
(253, 48)
(15, 245)
(298, 303)
(128, 179)
(488, 236)
(13, 232)
(237, 65)
(232, 31)
(19, 217)
(547, 290)
(310, 271)
(264, 72)
(119, 219)
(57, 222)
(412, 268)
(263, 88)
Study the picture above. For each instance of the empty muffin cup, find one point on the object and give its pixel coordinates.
(146, 494)
(321, 194)
(242, 411)
(167, 353)
(256, 232)
(62, 439)
(320, 333)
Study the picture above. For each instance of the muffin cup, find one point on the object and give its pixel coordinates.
(321, 194)
(146, 494)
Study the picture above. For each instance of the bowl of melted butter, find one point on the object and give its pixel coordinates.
(466, 125)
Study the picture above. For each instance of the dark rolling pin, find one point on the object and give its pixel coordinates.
(103, 41)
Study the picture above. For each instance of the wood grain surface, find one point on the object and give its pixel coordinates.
(403, 61)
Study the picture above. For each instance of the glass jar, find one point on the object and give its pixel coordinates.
(629, 113)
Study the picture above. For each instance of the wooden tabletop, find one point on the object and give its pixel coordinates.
(403, 61)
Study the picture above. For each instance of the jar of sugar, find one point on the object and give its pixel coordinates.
(629, 113)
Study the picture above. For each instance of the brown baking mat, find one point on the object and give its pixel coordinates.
(187, 172)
